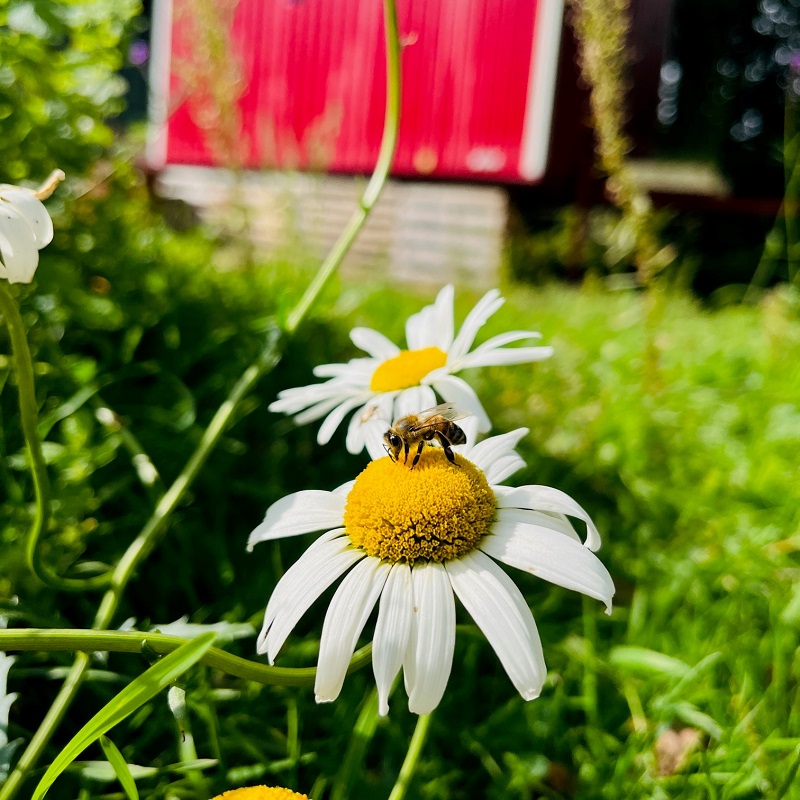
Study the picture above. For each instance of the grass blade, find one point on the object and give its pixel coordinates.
(133, 696)
(120, 767)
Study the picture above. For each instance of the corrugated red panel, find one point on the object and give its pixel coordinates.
(477, 86)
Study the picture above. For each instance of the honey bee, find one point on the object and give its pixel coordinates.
(437, 423)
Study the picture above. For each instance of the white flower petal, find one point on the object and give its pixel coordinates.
(550, 555)
(475, 320)
(485, 453)
(301, 512)
(414, 400)
(500, 611)
(373, 439)
(545, 498)
(297, 398)
(555, 522)
(334, 419)
(504, 356)
(324, 408)
(504, 467)
(368, 424)
(443, 324)
(392, 632)
(347, 614)
(429, 659)
(32, 210)
(455, 390)
(374, 343)
(18, 250)
(345, 488)
(421, 329)
(355, 370)
(320, 565)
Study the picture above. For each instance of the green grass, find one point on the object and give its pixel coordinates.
(677, 429)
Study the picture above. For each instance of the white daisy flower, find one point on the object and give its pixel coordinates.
(391, 382)
(414, 539)
(25, 228)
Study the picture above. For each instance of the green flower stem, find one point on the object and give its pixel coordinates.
(91, 641)
(372, 192)
(28, 412)
(150, 534)
(412, 758)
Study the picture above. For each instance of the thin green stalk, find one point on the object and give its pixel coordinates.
(391, 126)
(91, 641)
(144, 543)
(28, 412)
(412, 758)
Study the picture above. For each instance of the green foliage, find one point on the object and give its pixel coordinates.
(58, 83)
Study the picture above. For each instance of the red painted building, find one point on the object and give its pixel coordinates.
(478, 85)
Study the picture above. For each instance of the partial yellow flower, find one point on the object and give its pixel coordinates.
(261, 793)
(25, 228)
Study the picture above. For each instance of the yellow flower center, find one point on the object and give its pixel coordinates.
(436, 511)
(406, 369)
(261, 793)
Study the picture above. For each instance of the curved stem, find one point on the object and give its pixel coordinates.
(90, 641)
(144, 543)
(412, 758)
(28, 413)
(391, 126)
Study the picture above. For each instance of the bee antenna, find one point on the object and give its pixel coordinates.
(387, 452)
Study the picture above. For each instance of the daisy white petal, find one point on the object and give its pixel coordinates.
(485, 453)
(554, 522)
(392, 632)
(500, 611)
(504, 467)
(374, 343)
(354, 370)
(545, 498)
(551, 556)
(18, 249)
(373, 439)
(328, 558)
(505, 356)
(301, 512)
(334, 419)
(322, 409)
(429, 659)
(414, 400)
(344, 489)
(32, 210)
(292, 400)
(455, 390)
(347, 614)
(443, 308)
(475, 320)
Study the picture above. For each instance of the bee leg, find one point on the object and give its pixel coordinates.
(419, 453)
(445, 443)
(405, 450)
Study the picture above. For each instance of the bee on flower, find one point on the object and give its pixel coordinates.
(391, 382)
(25, 228)
(411, 540)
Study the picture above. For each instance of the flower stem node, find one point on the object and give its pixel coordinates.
(436, 512)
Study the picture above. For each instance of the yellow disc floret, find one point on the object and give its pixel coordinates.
(406, 369)
(261, 793)
(436, 511)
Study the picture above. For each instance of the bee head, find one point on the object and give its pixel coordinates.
(394, 444)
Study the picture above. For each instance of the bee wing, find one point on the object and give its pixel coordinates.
(447, 411)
